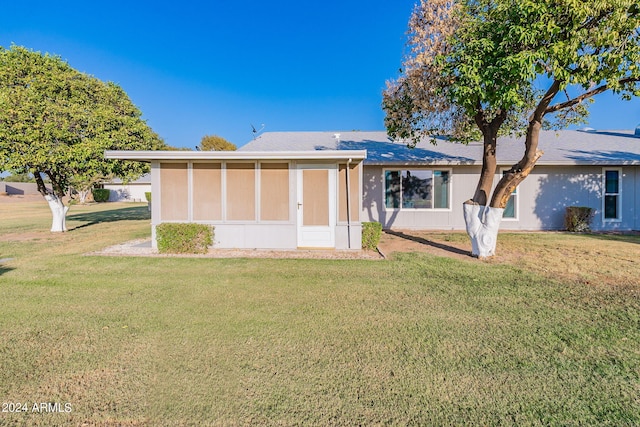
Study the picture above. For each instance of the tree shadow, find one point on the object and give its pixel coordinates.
(133, 213)
(428, 242)
(557, 191)
(4, 268)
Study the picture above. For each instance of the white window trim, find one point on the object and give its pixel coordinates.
(517, 194)
(619, 194)
(400, 169)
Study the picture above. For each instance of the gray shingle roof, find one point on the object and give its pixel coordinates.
(567, 147)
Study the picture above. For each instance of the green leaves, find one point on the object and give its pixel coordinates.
(58, 121)
(497, 54)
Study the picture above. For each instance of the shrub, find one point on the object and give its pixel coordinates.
(100, 194)
(181, 238)
(578, 218)
(147, 195)
(371, 232)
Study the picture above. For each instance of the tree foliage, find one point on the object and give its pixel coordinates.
(472, 61)
(58, 122)
(512, 67)
(216, 143)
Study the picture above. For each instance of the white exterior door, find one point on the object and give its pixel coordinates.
(316, 206)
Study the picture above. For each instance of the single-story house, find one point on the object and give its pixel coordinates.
(133, 191)
(425, 187)
(275, 200)
(258, 196)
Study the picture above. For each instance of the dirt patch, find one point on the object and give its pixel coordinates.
(413, 241)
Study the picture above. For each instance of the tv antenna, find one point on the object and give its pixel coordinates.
(256, 132)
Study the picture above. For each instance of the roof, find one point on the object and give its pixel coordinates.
(147, 156)
(567, 147)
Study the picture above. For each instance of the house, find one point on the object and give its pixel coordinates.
(288, 190)
(275, 200)
(425, 187)
(130, 191)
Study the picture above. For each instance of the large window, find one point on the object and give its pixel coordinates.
(416, 189)
(611, 209)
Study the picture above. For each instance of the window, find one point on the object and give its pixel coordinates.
(241, 192)
(274, 191)
(416, 189)
(174, 198)
(611, 209)
(511, 209)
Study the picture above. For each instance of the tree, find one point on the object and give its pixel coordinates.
(56, 122)
(216, 143)
(475, 65)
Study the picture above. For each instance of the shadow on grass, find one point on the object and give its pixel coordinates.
(5, 269)
(431, 243)
(123, 214)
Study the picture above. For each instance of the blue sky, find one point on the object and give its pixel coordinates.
(212, 67)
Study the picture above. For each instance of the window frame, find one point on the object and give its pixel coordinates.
(618, 195)
(516, 195)
(408, 168)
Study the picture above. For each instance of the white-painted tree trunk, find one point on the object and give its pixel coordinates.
(483, 223)
(59, 212)
(83, 196)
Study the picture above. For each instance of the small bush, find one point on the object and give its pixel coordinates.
(371, 232)
(183, 238)
(578, 218)
(147, 195)
(100, 194)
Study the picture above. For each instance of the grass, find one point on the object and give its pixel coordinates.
(418, 340)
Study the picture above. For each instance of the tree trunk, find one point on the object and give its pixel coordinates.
(518, 172)
(82, 194)
(483, 223)
(58, 209)
(59, 212)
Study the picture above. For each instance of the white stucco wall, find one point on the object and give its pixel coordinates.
(541, 200)
(127, 192)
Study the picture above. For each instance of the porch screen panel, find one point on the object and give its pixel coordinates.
(207, 192)
(274, 192)
(354, 191)
(241, 192)
(315, 197)
(174, 192)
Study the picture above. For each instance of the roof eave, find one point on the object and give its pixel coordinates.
(148, 156)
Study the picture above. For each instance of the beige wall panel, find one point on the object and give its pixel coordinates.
(207, 192)
(241, 192)
(354, 184)
(315, 197)
(174, 192)
(274, 192)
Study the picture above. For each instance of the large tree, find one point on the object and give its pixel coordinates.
(476, 67)
(56, 122)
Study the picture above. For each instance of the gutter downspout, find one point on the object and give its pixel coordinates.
(348, 205)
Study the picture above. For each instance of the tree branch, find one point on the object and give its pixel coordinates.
(586, 95)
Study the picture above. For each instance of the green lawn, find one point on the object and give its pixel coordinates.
(417, 340)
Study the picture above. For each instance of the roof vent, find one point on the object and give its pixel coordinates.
(637, 132)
